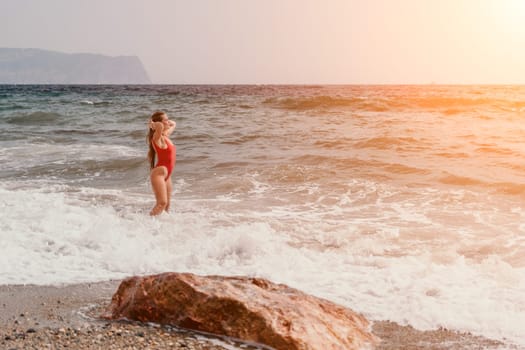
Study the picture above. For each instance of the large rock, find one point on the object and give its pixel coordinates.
(251, 309)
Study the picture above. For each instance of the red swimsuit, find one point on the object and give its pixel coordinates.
(166, 156)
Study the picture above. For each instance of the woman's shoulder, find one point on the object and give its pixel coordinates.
(167, 139)
(160, 142)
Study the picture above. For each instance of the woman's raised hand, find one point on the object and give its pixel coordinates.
(156, 125)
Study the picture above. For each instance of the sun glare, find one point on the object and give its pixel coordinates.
(511, 15)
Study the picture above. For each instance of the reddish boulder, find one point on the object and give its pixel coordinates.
(250, 309)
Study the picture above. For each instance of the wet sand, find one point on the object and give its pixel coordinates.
(60, 317)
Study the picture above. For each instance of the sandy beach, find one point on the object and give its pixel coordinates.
(50, 317)
(58, 317)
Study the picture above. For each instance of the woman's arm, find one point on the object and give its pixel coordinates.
(158, 127)
(171, 128)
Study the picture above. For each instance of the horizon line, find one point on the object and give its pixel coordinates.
(270, 84)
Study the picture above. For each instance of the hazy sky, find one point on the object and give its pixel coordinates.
(285, 41)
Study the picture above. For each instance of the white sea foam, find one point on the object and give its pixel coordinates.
(53, 235)
(48, 155)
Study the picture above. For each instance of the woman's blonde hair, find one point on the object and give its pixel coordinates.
(156, 117)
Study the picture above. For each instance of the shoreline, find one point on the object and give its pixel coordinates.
(34, 316)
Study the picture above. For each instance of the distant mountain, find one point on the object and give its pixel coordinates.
(35, 66)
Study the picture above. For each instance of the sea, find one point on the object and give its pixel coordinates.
(404, 203)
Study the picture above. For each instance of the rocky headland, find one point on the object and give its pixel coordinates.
(35, 66)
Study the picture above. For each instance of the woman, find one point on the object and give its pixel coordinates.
(162, 156)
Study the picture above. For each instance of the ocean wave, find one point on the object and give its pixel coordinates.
(313, 159)
(193, 159)
(55, 153)
(458, 180)
(234, 165)
(201, 102)
(405, 169)
(243, 139)
(495, 150)
(445, 104)
(349, 254)
(497, 187)
(315, 102)
(10, 107)
(172, 93)
(452, 111)
(342, 143)
(349, 212)
(509, 188)
(387, 142)
(76, 132)
(452, 155)
(112, 165)
(193, 137)
(107, 171)
(232, 185)
(95, 103)
(329, 165)
(432, 102)
(35, 118)
(138, 134)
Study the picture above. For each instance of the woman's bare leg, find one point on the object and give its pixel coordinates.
(169, 188)
(158, 183)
